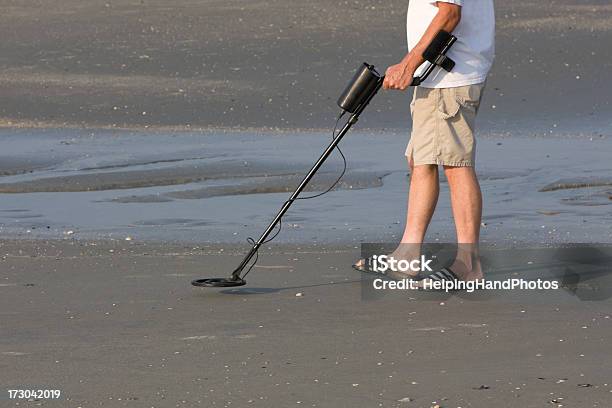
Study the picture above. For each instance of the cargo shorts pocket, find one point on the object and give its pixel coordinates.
(451, 100)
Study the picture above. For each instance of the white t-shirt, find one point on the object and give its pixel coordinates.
(474, 50)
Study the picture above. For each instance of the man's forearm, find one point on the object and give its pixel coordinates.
(400, 76)
(446, 19)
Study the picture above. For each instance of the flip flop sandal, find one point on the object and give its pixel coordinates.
(443, 275)
(365, 266)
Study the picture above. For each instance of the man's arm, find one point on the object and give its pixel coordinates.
(399, 76)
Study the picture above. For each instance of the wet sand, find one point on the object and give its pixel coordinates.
(210, 187)
(117, 324)
(278, 64)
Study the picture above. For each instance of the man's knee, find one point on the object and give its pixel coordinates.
(424, 169)
(459, 171)
(461, 177)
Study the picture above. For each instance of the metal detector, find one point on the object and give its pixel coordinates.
(357, 95)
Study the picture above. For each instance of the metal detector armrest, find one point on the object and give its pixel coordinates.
(435, 55)
(445, 62)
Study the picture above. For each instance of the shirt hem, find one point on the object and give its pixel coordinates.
(455, 84)
(441, 162)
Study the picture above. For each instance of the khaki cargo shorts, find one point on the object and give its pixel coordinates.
(443, 125)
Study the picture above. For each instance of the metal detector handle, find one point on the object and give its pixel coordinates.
(416, 81)
(442, 61)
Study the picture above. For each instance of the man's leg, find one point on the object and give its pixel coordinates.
(422, 200)
(466, 202)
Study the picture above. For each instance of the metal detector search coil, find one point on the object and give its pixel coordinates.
(357, 95)
(219, 282)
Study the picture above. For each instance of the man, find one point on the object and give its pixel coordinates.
(443, 112)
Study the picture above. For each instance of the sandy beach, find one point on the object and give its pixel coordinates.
(117, 325)
(142, 143)
(208, 187)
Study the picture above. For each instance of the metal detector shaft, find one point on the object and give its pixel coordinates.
(328, 151)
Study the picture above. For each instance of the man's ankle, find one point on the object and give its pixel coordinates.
(467, 270)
